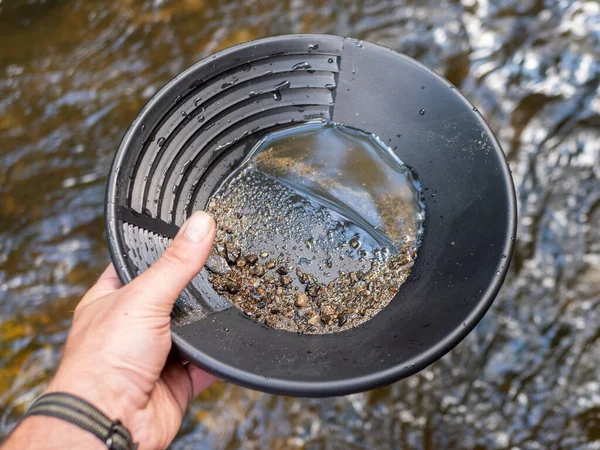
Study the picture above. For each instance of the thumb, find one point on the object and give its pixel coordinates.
(164, 280)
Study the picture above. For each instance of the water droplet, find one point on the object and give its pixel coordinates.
(422, 86)
(200, 119)
(252, 94)
(353, 71)
(161, 141)
(422, 112)
(330, 60)
(283, 85)
(227, 84)
(358, 44)
(143, 127)
(313, 46)
(183, 114)
(277, 96)
(197, 101)
(301, 66)
(177, 98)
(504, 256)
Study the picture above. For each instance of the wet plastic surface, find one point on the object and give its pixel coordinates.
(200, 126)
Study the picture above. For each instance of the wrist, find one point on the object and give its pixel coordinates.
(105, 394)
(41, 432)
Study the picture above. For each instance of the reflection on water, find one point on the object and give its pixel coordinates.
(350, 172)
(73, 74)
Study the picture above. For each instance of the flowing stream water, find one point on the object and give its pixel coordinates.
(73, 75)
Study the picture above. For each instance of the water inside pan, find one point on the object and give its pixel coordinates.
(317, 229)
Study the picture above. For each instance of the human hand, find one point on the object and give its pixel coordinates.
(117, 353)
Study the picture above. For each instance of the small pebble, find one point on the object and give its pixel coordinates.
(328, 310)
(264, 255)
(301, 276)
(270, 264)
(342, 319)
(251, 259)
(314, 320)
(217, 264)
(232, 287)
(285, 280)
(232, 251)
(326, 319)
(301, 299)
(312, 290)
(354, 243)
(258, 270)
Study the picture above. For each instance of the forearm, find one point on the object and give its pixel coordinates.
(48, 433)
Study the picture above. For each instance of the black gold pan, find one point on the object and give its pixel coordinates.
(199, 127)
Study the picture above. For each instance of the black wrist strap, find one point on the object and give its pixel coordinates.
(86, 416)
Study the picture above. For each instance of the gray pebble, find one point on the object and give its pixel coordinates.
(217, 264)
